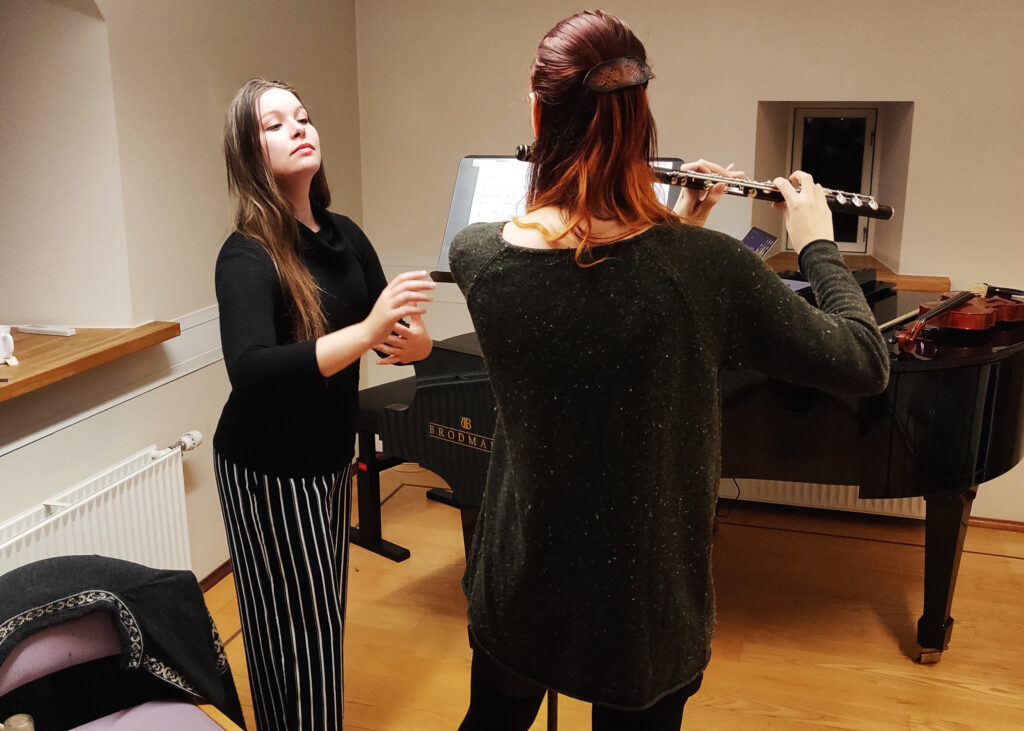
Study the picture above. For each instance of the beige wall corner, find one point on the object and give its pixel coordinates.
(176, 66)
(63, 251)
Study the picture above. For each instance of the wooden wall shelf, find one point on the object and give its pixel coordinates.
(46, 359)
(787, 261)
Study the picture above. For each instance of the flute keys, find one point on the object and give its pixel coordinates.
(862, 204)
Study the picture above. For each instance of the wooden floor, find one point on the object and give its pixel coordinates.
(816, 626)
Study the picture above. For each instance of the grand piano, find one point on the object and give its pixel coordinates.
(951, 418)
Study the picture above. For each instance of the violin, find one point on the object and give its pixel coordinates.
(980, 308)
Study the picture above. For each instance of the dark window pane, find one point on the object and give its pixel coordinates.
(833, 152)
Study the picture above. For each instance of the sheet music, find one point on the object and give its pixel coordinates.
(661, 190)
(500, 192)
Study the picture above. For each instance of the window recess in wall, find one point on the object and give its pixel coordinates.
(837, 147)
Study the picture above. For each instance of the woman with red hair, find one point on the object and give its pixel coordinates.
(605, 320)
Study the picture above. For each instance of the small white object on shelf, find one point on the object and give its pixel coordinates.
(46, 330)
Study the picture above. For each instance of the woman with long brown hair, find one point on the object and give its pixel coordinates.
(302, 296)
(605, 320)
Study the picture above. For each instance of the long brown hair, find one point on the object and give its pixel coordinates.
(264, 214)
(591, 157)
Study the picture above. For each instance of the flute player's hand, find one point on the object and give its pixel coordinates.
(694, 206)
(808, 217)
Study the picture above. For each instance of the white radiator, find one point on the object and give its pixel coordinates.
(829, 497)
(134, 510)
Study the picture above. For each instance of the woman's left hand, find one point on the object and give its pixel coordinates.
(407, 344)
(694, 206)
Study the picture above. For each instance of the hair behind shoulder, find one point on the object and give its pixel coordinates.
(262, 213)
(593, 149)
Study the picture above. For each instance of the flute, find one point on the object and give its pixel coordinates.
(839, 201)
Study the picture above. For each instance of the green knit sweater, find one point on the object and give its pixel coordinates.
(590, 568)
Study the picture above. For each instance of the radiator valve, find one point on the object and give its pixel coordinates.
(188, 441)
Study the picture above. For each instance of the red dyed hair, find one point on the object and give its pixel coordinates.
(591, 157)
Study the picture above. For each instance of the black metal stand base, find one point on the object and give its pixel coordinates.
(368, 469)
(441, 495)
(387, 549)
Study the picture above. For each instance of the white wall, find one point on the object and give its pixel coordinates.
(62, 236)
(176, 64)
(445, 79)
(141, 199)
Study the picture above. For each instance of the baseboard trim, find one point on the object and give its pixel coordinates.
(218, 573)
(996, 524)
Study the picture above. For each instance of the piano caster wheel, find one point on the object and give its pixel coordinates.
(928, 656)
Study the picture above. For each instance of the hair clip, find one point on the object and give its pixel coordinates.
(618, 73)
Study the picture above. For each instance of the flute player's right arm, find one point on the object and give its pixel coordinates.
(808, 217)
(835, 346)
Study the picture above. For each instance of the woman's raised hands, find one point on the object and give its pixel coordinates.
(808, 217)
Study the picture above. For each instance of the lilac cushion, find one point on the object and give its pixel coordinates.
(154, 716)
(60, 646)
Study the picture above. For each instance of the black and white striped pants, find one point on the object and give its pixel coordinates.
(288, 538)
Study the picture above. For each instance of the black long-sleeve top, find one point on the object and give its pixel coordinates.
(590, 568)
(283, 417)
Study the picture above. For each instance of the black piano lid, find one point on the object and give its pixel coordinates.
(466, 343)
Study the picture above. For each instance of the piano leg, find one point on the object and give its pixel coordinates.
(945, 528)
(368, 534)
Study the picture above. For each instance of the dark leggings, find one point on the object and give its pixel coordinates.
(503, 701)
